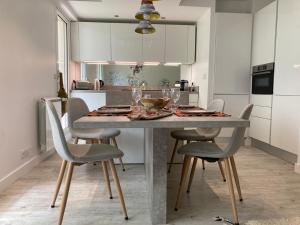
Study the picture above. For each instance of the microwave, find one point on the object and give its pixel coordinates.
(263, 79)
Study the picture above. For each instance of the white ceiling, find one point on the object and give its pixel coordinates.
(172, 10)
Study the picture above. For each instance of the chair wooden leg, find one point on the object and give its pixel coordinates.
(222, 170)
(192, 174)
(185, 169)
(66, 193)
(173, 155)
(121, 161)
(118, 186)
(106, 177)
(236, 178)
(231, 191)
(203, 164)
(59, 181)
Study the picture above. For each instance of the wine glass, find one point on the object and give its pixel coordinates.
(175, 95)
(136, 95)
(166, 94)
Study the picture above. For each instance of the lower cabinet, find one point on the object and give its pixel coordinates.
(260, 129)
(286, 123)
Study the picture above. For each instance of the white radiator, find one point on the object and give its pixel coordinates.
(45, 134)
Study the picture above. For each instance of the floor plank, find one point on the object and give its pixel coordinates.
(269, 185)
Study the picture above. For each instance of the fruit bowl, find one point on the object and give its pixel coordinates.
(154, 104)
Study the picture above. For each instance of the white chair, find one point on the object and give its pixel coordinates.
(200, 134)
(77, 108)
(211, 152)
(77, 155)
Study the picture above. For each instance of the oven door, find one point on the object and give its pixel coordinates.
(262, 83)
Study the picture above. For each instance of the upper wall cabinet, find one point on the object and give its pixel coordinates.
(287, 60)
(154, 45)
(126, 45)
(119, 42)
(264, 30)
(180, 44)
(91, 41)
(233, 53)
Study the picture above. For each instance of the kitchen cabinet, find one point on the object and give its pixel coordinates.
(233, 53)
(180, 44)
(126, 44)
(285, 123)
(91, 41)
(261, 117)
(94, 100)
(154, 45)
(287, 60)
(191, 44)
(264, 29)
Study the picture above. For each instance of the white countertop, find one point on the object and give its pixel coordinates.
(168, 122)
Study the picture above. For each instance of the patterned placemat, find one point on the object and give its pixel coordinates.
(179, 113)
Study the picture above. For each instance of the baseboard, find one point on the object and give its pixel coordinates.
(280, 153)
(297, 168)
(23, 169)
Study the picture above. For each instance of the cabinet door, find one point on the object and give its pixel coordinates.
(75, 47)
(154, 45)
(191, 44)
(233, 53)
(93, 100)
(264, 35)
(126, 44)
(260, 129)
(287, 71)
(94, 41)
(285, 123)
(176, 43)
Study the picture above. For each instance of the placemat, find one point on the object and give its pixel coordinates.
(216, 114)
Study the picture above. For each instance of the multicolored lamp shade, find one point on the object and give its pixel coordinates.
(145, 27)
(146, 14)
(147, 11)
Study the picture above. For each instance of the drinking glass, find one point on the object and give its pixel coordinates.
(136, 95)
(175, 95)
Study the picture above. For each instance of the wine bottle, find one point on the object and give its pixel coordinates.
(62, 94)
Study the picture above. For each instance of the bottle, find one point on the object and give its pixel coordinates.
(192, 87)
(62, 94)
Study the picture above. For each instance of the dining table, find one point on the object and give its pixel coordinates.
(156, 145)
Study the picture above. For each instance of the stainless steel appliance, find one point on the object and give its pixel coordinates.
(263, 79)
(184, 85)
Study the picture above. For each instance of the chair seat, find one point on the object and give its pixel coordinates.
(94, 152)
(95, 133)
(192, 135)
(204, 150)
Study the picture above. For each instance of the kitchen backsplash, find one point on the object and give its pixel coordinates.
(120, 75)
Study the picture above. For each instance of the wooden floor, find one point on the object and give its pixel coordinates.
(270, 187)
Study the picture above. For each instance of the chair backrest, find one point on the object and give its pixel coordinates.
(58, 135)
(77, 108)
(218, 106)
(237, 137)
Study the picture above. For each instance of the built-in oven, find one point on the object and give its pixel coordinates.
(263, 79)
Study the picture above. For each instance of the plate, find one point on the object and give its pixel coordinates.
(197, 111)
(114, 111)
(115, 107)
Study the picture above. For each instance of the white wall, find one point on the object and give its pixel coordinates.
(27, 66)
(201, 68)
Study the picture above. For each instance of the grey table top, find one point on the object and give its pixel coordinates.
(168, 122)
